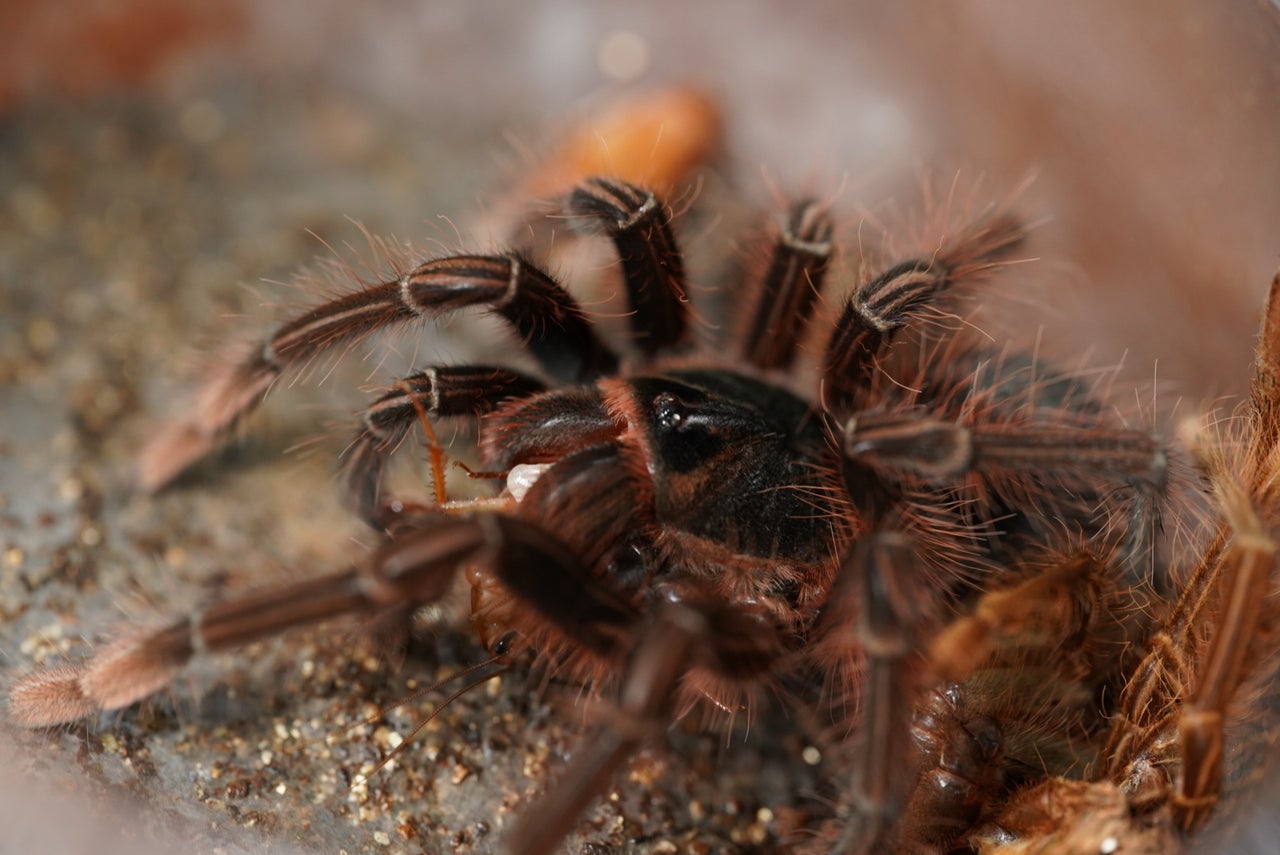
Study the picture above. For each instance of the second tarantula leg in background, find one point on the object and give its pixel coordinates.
(1245, 571)
(1228, 584)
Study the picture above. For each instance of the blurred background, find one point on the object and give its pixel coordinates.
(162, 162)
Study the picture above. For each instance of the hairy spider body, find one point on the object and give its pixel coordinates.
(648, 480)
(947, 548)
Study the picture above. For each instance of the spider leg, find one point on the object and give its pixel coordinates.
(134, 668)
(640, 227)
(938, 451)
(1029, 462)
(554, 329)
(1246, 582)
(878, 575)
(882, 306)
(435, 392)
(1052, 608)
(1264, 418)
(774, 322)
(648, 687)
(1181, 691)
(918, 781)
(689, 631)
(1241, 573)
(415, 565)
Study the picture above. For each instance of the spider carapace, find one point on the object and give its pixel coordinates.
(711, 459)
(692, 482)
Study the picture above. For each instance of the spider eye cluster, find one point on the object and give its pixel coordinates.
(669, 411)
(687, 434)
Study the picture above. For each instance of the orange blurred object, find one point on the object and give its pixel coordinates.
(82, 49)
(656, 139)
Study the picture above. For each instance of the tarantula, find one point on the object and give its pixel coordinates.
(949, 549)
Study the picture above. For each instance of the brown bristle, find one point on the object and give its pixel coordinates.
(174, 448)
(50, 697)
(130, 671)
(229, 392)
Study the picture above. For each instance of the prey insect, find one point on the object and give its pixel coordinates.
(948, 550)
